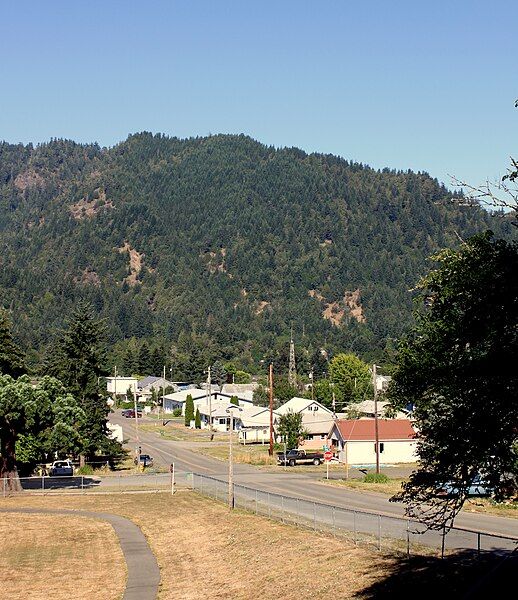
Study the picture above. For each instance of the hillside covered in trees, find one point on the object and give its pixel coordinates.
(211, 248)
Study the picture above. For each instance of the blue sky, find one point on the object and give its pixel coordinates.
(421, 85)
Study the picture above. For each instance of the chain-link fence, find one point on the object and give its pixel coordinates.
(383, 532)
(87, 484)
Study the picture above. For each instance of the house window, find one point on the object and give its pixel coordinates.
(322, 436)
(222, 421)
(382, 447)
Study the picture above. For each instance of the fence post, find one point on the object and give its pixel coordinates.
(201, 484)
(119, 482)
(478, 544)
(379, 532)
(4, 486)
(443, 541)
(354, 525)
(333, 511)
(256, 501)
(314, 516)
(408, 539)
(298, 511)
(269, 506)
(43, 484)
(82, 484)
(282, 509)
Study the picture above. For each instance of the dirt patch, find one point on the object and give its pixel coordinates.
(87, 208)
(261, 306)
(216, 262)
(88, 277)
(348, 308)
(59, 557)
(28, 179)
(135, 265)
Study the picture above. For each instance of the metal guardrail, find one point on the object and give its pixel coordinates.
(382, 532)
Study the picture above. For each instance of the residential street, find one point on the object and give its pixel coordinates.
(297, 484)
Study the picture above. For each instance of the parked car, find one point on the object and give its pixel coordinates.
(145, 460)
(129, 413)
(299, 457)
(478, 487)
(61, 468)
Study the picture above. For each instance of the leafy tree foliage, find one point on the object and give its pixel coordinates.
(352, 378)
(36, 421)
(458, 367)
(234, 400)
(282, 390)
(291, 429)
(189, 410)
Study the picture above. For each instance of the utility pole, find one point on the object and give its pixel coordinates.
(270, 452)
(163, 395)
(312, 377)
(209, 392)
(334, 403)
(231, 410)
(115, 387)
(292, 369)
(376, 427)
(137, 450)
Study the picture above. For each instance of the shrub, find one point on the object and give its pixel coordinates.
(376, 478)
(177, 412)
(85, 470)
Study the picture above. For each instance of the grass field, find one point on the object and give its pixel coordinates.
(482, 505)
(59, 557)
(204, 551)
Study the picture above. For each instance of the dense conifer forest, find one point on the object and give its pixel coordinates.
(212, 248)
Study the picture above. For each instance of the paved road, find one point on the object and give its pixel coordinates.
(297, 485)
(143, 572)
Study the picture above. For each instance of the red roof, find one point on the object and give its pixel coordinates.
(364, 429)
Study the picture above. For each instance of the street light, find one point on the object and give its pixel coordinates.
(230, 410)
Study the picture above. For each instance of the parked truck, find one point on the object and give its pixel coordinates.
(299, 457)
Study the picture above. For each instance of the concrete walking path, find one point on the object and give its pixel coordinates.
(143, 572)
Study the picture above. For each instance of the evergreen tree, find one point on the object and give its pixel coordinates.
(189, 410)
(79, 363)
(11, 358)
(218, 374)
(145, 366)
(197, 419)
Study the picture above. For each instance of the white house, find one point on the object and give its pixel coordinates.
(316, 420)
(355, 441)
(200, 397)
(120, 385)
(146, 386)
(255, 425)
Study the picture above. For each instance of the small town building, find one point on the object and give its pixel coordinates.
(354, 440)
(121, 385)
(316, 420)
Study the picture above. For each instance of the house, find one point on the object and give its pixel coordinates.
(317, 420)
(365, 409)
(255, 425)
(200, 397)
(355, 441)
(221, 418)
(120, 385)
(146, 386)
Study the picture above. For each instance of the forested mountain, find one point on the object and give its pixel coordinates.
(216, 246)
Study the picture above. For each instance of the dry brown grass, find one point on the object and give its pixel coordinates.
(206, 552)
(59, 557)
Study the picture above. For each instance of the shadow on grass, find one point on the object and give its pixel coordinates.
(461, 575)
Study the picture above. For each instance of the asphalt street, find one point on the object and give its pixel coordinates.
(298, 485)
